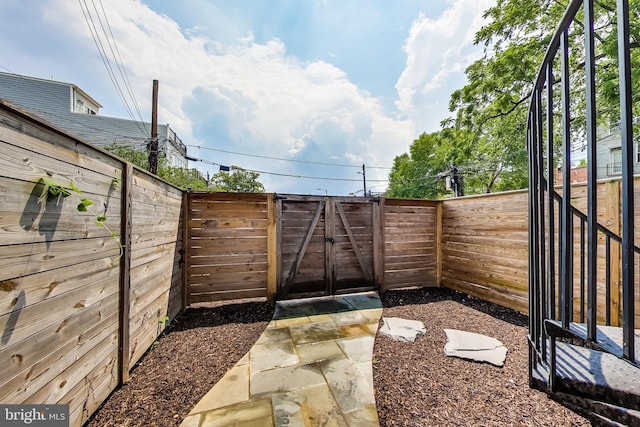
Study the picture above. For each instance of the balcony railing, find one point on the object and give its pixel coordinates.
(614, 169)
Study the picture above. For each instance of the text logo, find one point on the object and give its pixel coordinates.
(34, 415)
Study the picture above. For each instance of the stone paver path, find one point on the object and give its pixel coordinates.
(310, 367)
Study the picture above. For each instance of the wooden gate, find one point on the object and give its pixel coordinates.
(326, 245)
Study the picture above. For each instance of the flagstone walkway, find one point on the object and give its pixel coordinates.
(310, 367)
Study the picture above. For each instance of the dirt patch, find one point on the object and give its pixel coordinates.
(415, 383)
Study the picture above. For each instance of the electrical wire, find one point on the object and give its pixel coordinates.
(118, 61)
(287, 160)
(105, 60)
(286, 174)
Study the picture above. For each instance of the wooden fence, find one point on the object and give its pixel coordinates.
(227, 246)
(485, 247)
(76, 309)
(411, 243)
(237, 242)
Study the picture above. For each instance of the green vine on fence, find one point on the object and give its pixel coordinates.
(52, 189)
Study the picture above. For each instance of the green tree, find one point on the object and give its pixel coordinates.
(515, 39)
(418, 173)
(130, 154)
(183, 178)
(237, 181)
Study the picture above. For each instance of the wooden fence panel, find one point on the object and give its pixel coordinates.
(227, 253)
(156, 269)
(485, 247)
(410, 237)
(63, 280)
(59, 272)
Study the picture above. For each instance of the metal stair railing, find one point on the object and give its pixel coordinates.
(553, 220)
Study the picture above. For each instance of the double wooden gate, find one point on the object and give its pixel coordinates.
(326, 245)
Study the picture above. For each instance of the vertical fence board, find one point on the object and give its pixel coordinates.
(156, 279)
(125, 274)
(272, 248)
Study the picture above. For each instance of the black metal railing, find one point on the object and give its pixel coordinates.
(567, 245)
(614, 169)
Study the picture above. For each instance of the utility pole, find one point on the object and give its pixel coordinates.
(364, 181)
(456, 178)
(453, 180)
(153, 145)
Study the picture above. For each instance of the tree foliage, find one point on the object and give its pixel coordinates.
(238, 181)
(417, 174)
(490, 111)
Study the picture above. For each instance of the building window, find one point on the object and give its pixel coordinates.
(614, 167)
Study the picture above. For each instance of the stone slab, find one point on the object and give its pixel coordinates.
(285, 379)
(476, 347)
(272, 355)
(315, 332)
(402, 329)
(315, 352)
(350, 390)
(232, 388)
(254, 413)
(312, 406)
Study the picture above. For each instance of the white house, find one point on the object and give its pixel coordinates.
(609, 151)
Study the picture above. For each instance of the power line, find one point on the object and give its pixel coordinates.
(287, 160)
(118, 61)
(105, 59)
(287, 174)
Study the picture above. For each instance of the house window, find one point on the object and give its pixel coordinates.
(616, 155)
(615, 163)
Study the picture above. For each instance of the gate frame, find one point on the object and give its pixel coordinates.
(373, 273)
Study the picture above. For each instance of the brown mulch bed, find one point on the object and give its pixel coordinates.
(415, 383)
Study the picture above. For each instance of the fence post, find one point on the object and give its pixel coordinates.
(125, 273)
(186, 243)
(272, 248)
(439, 243)
(612, 218)
(378, 245)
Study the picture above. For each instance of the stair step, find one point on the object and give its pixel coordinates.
(595, 382)
(600, 413)
(608, 338)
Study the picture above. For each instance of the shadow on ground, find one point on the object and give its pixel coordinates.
(222, 314)
(412, 296)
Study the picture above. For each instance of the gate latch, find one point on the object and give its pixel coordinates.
(329, 239)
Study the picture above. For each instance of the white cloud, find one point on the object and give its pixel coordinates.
(222, 88)
(247, 96)
(437, 50)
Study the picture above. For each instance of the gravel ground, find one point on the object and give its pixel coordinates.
(415, 384)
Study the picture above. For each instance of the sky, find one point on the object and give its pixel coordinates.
(289, 88)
